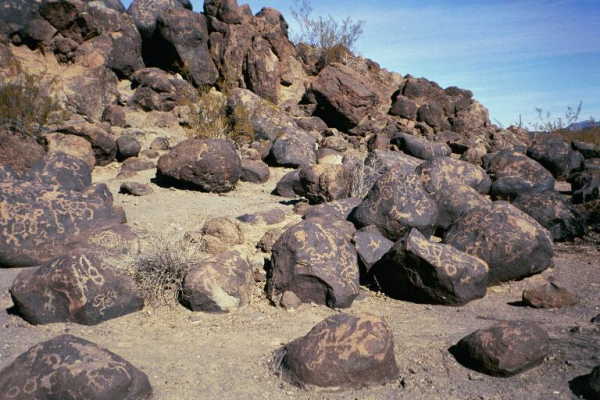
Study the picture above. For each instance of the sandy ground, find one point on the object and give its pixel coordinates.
(191, 355)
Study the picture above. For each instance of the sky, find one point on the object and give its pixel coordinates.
(515, 55)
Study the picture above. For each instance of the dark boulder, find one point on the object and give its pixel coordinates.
(456, 200)
(588, 150)
(158, 90)
(342, 351)
(585, 186)
(254, 171)
(404, 107)
(182, 40)
(289, 185)
(553, 211)
(293, 150)
(344, 97)
(210, 165)
(63, 171)
(514, 173)
(505, 349)
(218, 284)
(114, 115)
(127, 146)
(325, 182)
(19, 150)
(371, 246)
(397, 203)
(512, 243)
(417, 269)
(145, 13)
(103, 143)
(316, 260)
(337, 209)
(441, 172)
(78, 287)
(555, 154)
(420, 147)
(68, 367)
(44, 221)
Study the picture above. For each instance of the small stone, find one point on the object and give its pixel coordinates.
(127, 146)
(549, 295)
(160, 143)
(290, 301)
(135, 189)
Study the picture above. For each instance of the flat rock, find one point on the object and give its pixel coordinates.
(136, 189)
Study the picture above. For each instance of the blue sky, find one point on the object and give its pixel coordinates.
(514, 55)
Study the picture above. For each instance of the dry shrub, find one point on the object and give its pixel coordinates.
(212, 118)
(27, 105)
(159, 269)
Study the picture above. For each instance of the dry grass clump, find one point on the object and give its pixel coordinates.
(27, 105)
(160, 267)
(211, 118)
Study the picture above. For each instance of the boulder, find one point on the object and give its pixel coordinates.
(342, 351)
(553, 212)
(588, 150)
(555, 154)
(371, 246)
(324, 182)
(44, 221)
(419, 147)
(549, 295)
(293, 150)
(267, 217)
(504, 349)
(218, 284)
(592, 383)
(456, 200)
(72, 145)
(145, 14)
(397, 203)
(443, 172)
(381, 160)
(78, 287)
(68, 367)
(157, 90)
(344, 96)
(160, 143)
(337, 209)
(127, 146)
(316, 260)
(103, 143)
(289, 185)
(63, 171)
(226, 230)
(585, 186)
(417, 269)
(513, 244)
(254, 171)
(19, 150)
(182, 40)
(404, 107)
(210, 165)
(514, 173)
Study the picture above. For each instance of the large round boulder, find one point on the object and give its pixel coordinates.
(68, 367)
(419, 270)
(324, 182)
(316, 260)
(397, 203)
(78, 287)
(513, 244)
(441, 172)
(555, 154)
(209, 165)
(342, 351)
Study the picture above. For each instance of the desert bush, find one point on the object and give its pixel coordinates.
(324, 32)
(211, 118)
(27, 105)
(160, 267)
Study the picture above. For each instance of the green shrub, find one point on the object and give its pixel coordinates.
(26, 104)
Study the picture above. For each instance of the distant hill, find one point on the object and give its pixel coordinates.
(577, 126)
